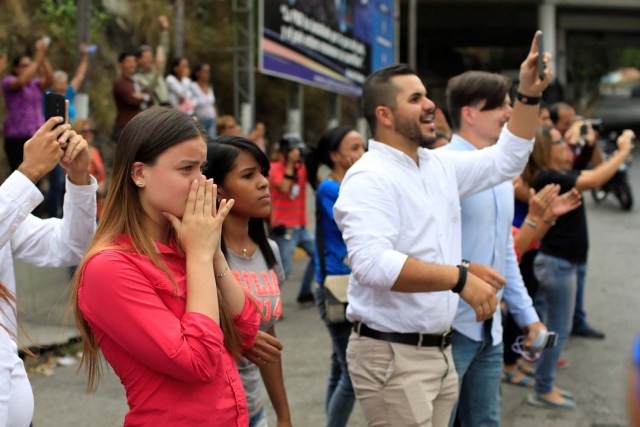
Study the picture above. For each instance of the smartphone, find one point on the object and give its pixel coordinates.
(91, 49)
(54, 106)
(584, 130)
(540, 56)
(552, 339)
(46, 40)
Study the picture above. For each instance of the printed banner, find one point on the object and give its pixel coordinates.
(330, 44)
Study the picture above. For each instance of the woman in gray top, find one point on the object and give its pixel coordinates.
(240, 169)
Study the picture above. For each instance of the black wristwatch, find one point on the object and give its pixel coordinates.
(462, 278)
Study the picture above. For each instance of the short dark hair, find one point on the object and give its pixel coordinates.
(554, 110)
(378, 90)
(125, 54)
(175, 63)
(195, 70)
(473, 87)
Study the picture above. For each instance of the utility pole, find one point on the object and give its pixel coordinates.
(83, 21)
(244, 92)
(178, 35)
(83, 29)
(413, 30)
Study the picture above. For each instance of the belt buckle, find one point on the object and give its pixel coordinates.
(446, 339)
(420, 336)
(356, 327)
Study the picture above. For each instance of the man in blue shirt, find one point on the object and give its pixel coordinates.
(480, 106)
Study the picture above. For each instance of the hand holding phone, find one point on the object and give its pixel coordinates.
(540, 57)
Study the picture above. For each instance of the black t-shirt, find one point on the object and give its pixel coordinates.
(568, 239)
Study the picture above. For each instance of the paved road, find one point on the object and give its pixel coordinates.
(596, 373)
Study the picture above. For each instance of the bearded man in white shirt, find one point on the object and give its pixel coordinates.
(399, 212)
(49, 242)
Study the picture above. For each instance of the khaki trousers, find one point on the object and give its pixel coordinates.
(402, 385)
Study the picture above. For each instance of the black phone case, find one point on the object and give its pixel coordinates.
(54, 106)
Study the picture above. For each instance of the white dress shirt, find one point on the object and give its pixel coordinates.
(16, 397)
(51, 242)
(487, 239)
(390, 208)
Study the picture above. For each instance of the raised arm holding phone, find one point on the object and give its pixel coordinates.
(52, 242)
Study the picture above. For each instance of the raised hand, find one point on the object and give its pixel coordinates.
(76, 158)
(540, 201)
(625, 141)
(530, 83)
(565, 203)
(44, 149)
(3, 62)
(164, 22)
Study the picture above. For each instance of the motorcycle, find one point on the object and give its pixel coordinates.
(618, 185)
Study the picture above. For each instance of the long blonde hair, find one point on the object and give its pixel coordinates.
(147, 135)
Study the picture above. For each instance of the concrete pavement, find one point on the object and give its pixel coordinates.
(596, 375)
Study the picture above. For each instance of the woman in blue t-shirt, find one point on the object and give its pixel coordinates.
(338, 148)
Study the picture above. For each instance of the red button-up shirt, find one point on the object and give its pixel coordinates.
(173, 365)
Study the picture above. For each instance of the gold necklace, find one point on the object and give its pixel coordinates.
(245, 252)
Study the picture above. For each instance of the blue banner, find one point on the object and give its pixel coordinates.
(330, 44)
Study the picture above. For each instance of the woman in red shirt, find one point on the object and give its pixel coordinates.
(154, 291)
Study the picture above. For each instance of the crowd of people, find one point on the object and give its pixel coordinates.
(441, 254)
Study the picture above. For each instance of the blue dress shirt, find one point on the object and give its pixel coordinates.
(487, 239)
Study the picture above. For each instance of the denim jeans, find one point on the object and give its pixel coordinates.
(340, 396)
(579, 315)
(479, 365)
(209, 126)
(297, 237)
(554, 301)
(259, 419)
(55, 195)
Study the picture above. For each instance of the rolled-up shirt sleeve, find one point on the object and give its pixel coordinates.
(55, 242)
(370, 223)
(118, 299)
(248, 323)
